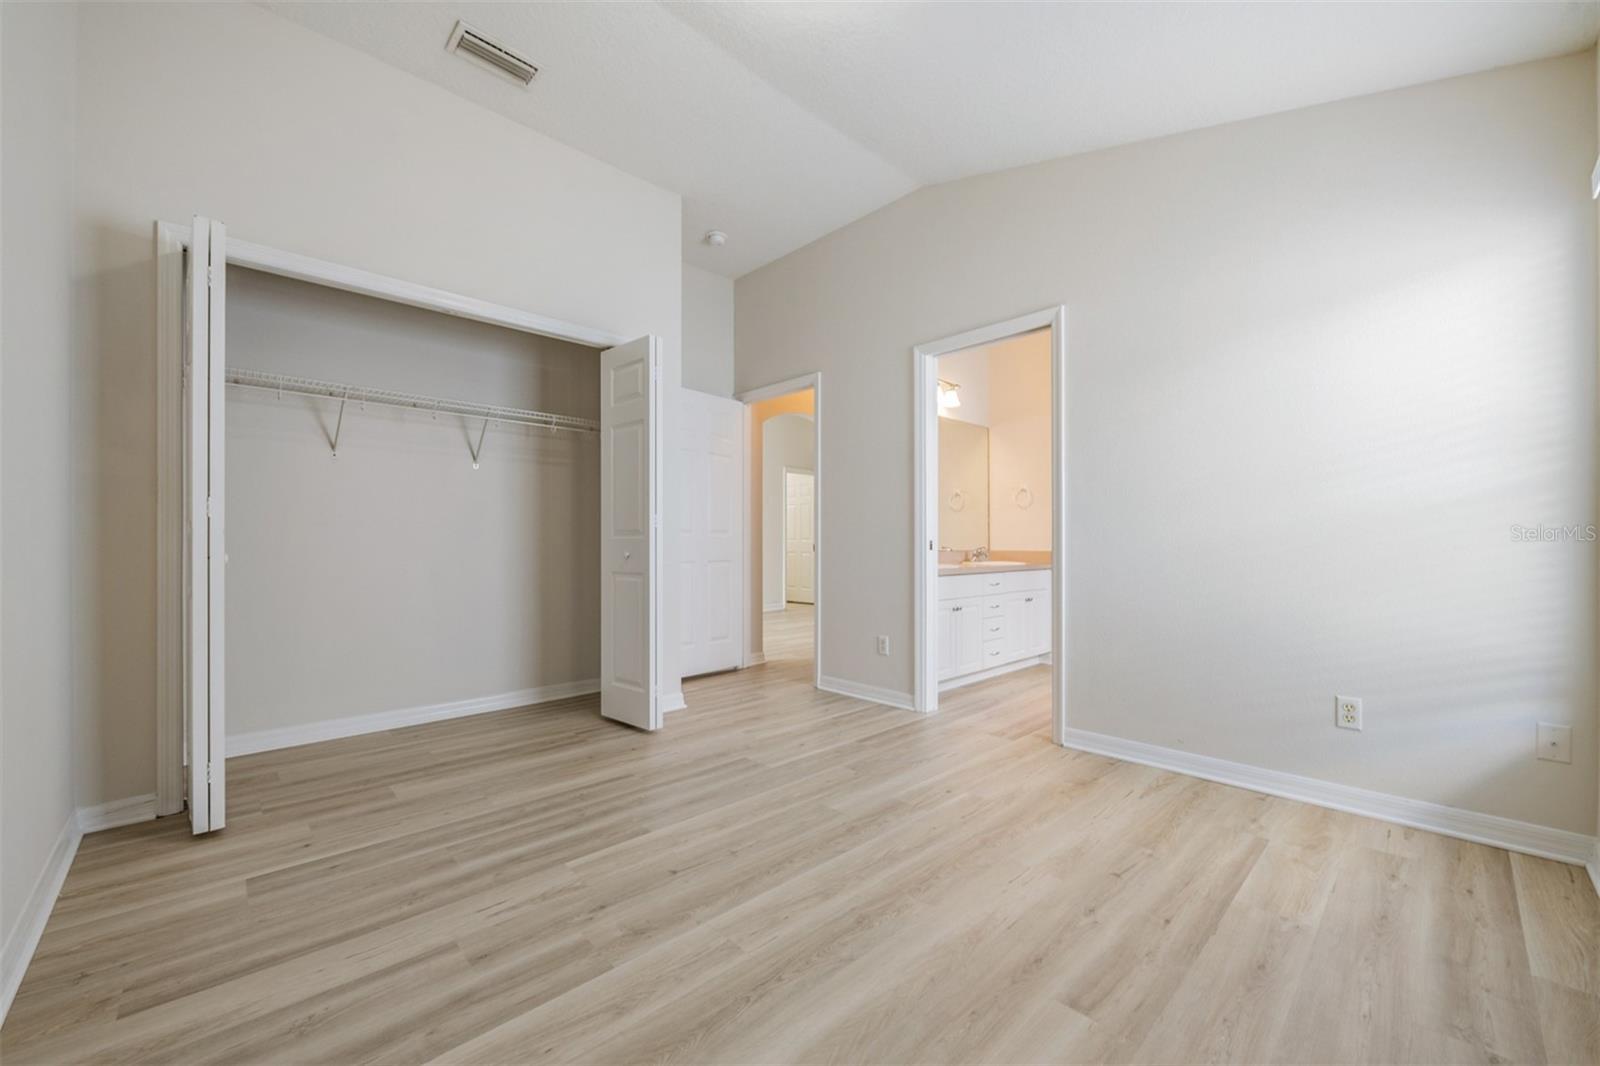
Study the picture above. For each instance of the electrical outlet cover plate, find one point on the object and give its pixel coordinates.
(883, 645)
(1555, 742)
(1347, 712)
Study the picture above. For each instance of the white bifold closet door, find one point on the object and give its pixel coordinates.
(630, 531)
(204, 554)
(711, 541)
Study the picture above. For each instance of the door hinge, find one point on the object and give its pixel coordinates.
(208, 507)
(208, 773)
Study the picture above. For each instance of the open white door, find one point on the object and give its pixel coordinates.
(630, 531)
(204, 403)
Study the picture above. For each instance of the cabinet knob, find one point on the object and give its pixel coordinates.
(955, 608)
(1028, 600)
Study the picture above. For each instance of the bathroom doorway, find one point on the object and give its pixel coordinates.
(990, 518)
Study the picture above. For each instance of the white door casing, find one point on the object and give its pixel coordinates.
(204, 550)
(799, 550)
(711, 536)
(630, 528)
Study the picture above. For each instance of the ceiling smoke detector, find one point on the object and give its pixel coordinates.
(715, 237)
(464, 40)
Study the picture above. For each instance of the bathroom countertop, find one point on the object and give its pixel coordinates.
(996, 567)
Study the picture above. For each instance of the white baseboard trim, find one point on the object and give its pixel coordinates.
(672, 701)
(871, 693)
(1508, 833)
(754, 658)
(768, 608)
(22, 939)
(336, 728)
(992, 672)
(1594, 867)
(117, 812)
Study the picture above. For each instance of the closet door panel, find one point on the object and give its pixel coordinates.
(205, 497)
(630, 425)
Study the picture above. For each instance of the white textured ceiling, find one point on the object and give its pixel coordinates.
(778, 122)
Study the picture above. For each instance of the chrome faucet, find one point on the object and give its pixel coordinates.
(980, 554)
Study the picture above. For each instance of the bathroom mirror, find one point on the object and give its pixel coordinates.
(963, 485)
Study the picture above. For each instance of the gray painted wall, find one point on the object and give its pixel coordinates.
(352, 161)
(396, 575)
(40, 440)
(1322, 362)
(707, 332)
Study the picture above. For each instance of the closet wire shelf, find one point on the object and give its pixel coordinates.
(434, 405)
(283, 383)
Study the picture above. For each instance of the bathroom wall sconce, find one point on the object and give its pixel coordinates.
(949, 394)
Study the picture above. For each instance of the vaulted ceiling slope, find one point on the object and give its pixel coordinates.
(779, 122)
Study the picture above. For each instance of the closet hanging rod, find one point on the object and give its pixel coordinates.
(331, 390)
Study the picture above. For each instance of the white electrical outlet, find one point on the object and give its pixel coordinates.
(1347, 712)
(1555, 742)
(883, 645)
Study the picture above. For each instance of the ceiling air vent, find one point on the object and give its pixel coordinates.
(468, 41)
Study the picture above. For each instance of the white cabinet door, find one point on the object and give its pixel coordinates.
(711, 537)
(968, 626)
(1035, 629)
(630, 509)
(960, 637)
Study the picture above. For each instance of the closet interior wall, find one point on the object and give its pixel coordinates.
(395, 576)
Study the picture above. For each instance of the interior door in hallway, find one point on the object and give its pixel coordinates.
(711, 537)
(799, 547)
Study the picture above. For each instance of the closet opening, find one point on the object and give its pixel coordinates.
(384, 505)
(413, 515)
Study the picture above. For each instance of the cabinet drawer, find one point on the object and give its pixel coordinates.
(1031, 581)
(994, 584)
(1015, 581)
(993, 606)
(996, 652)
(960, 586)
(994, 627)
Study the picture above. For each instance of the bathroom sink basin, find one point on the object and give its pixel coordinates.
(978, 564)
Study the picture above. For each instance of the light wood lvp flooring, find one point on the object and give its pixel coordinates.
(784, 875)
